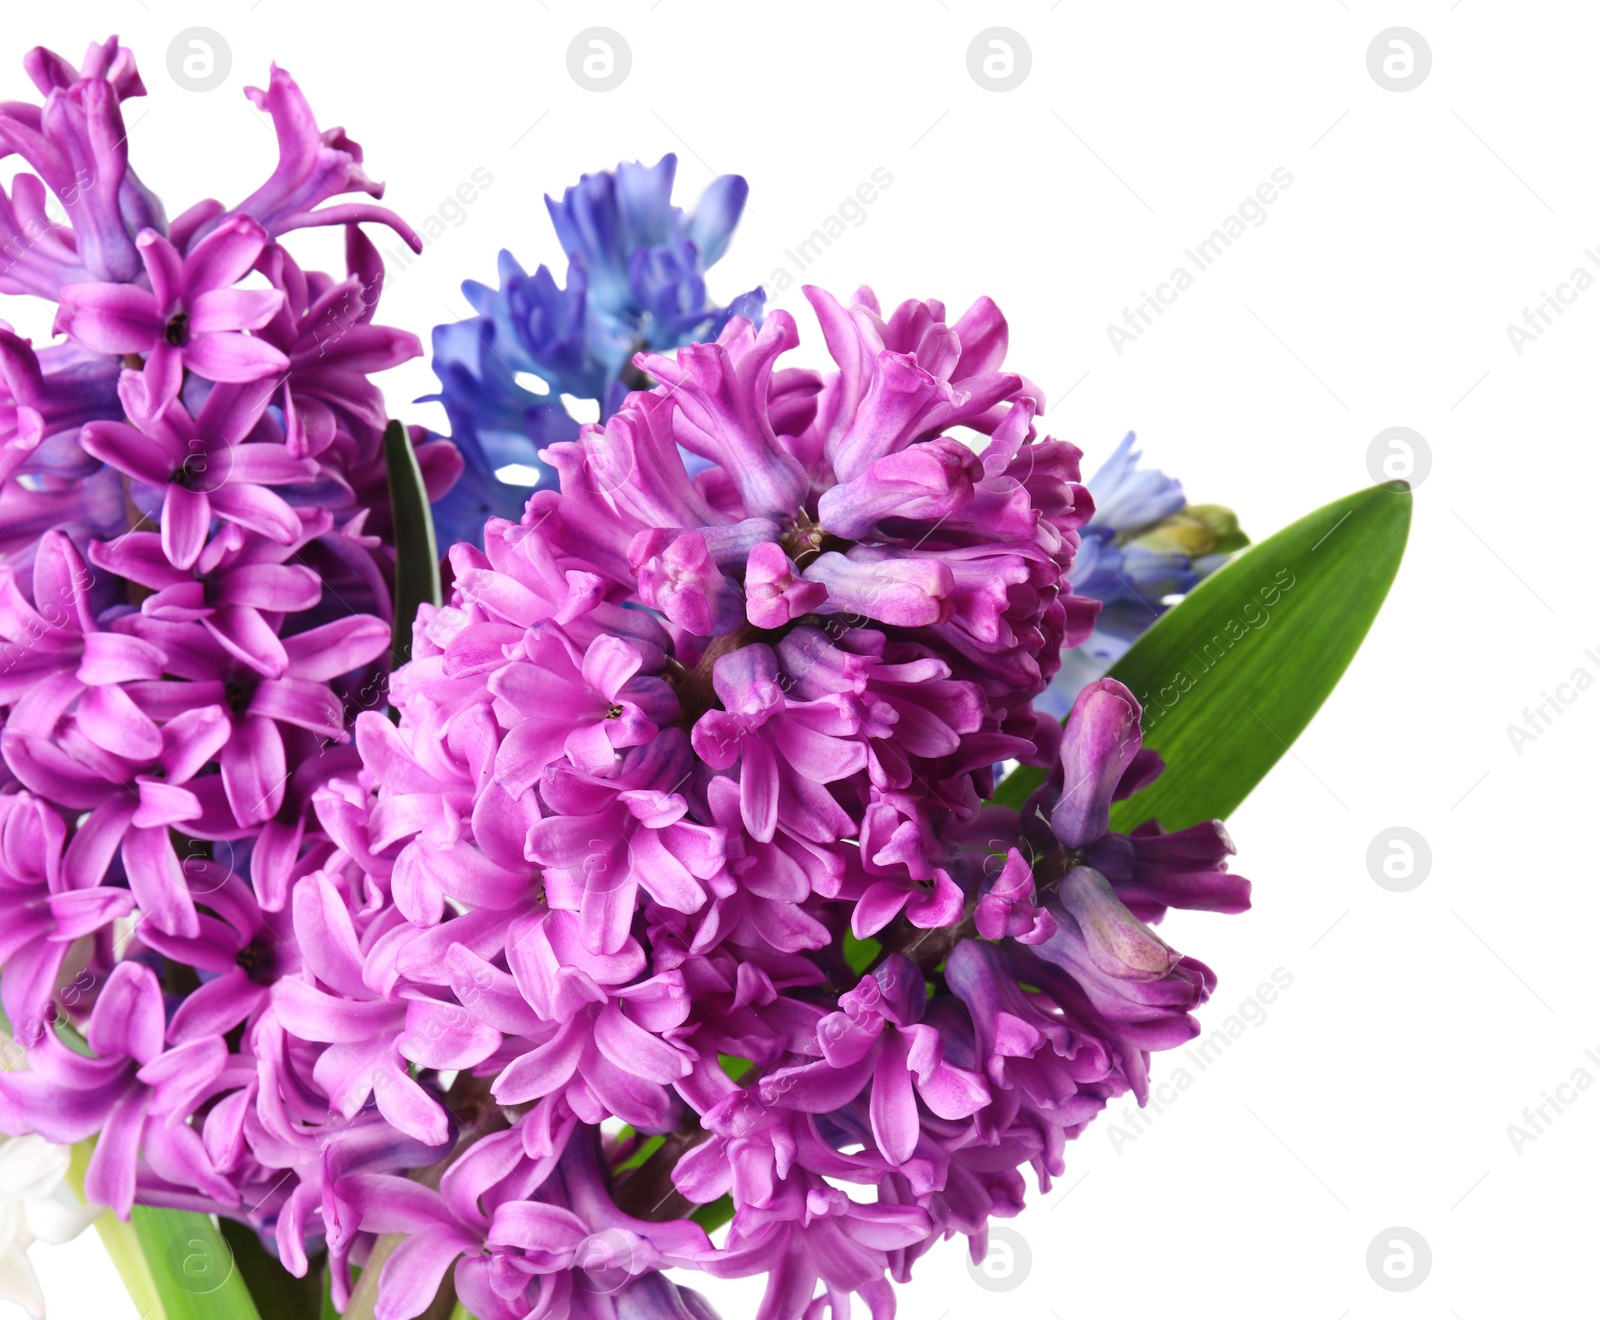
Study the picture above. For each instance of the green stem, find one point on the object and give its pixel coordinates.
(121, 1243)
(473, 1105)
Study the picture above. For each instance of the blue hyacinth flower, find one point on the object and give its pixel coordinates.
(635, 282)
(1144, 549)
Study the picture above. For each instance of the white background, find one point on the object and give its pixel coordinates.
(1377, 293)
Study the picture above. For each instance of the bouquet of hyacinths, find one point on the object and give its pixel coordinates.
(722, 847)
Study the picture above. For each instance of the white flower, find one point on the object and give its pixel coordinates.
(35, 1205)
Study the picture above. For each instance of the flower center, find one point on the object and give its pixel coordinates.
(805, 540)
(237, 693)
(1054, 867)
(177, 333)
(257, 962)
(191, 473)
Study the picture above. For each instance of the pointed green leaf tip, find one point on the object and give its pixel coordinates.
(416, 574)
(1230, 676)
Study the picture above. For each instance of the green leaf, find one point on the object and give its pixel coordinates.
(192, 1265)
(734, 1066)
(278, 1295)
(1231, 675)
(714, 1214)
(648, 1147)
(122, 1245)
(416, 574)
(860, 954)
(120, 1241)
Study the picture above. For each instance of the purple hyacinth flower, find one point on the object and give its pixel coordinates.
(313, 166)
(124, 1093)
(876, 1034)
(1101, 741)
(171, 716)
(77, 144)
(45, 913)
(198, 466)
(787, 750)
(1008, 907)
(585, 705)
(192, 316)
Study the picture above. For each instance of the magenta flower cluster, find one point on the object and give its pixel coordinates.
(671, 898)
(682, 828)
(195, 558)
